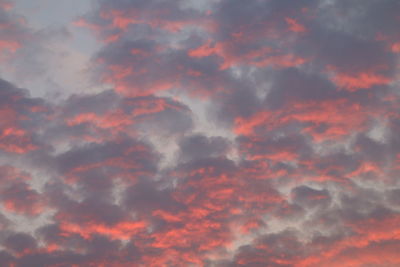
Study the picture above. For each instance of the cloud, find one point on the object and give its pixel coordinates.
(19, 114)
(224, 134)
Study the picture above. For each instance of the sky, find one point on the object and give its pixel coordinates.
(212, 133)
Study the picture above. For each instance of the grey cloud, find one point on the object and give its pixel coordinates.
(199, 146)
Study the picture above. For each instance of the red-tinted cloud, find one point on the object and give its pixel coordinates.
(18, 111)
(232, 134)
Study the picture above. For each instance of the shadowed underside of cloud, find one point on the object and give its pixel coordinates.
(296, 161)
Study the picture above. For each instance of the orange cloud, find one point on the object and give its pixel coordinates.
(120, 231)
(294, 26)
(355, 81)
(11, 46)
(262, 57)
(340, 117)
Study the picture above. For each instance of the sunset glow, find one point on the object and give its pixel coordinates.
(204, 133)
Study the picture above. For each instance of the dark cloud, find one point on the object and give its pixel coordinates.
(287, 250)
(199, 146)
(22, 116)
(20, 243)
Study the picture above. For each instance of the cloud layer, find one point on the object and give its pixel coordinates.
(250, 134)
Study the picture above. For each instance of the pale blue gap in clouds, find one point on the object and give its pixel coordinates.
(68, 59)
